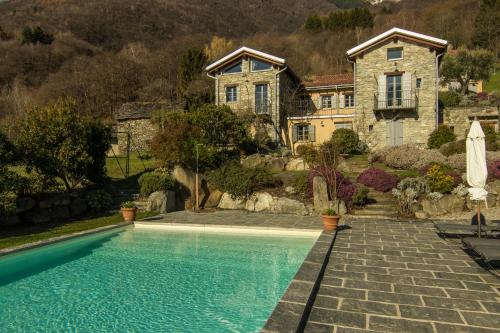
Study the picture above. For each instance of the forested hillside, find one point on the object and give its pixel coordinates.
(107, 52)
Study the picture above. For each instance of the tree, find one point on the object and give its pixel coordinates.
(466, 65)
(313, 23)
(191, 65)
(487, 26)
(57, 142)
(35, 36)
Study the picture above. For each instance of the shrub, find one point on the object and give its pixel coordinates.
(408, 174)
(361, 196)
(98, 200)
(299, 183)
(443, 134)
(308, 153)
(494, 170)
(446, 169)
(7, 150)
(158, 180)
(449, 98)
(378, 179)
(438, 181)
(240, 182)
(58, 142)
(346, 140)
(345, 188)
(452, 148)
(407, 192)
(409, 157)
(7, 203)
(491, 138)
(457, 161)
(128, 204)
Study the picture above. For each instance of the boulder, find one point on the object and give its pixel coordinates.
(44, 204)
(339, 206)
(492, 200)
(320, 194)
(289, 206)
(290, 189)
(494, 187)
(432, 207)
(78, 207)
(61, 200)
(24, 204)
(227, 202)
(296, 164)
(9, 220)
(254, 161)
(161, 201)
(213, 199)
(37, 216)
(259, 201)
(275, 164)
(59, 213)
(186, 178)
(452, 203)
(421, 215)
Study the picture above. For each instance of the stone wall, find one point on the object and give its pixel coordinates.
(417, 60)
(142, 132)
(460, 118)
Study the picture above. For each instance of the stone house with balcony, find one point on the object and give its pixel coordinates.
(396, 77)
(389, 99)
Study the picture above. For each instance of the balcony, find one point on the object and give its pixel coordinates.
(400, 100)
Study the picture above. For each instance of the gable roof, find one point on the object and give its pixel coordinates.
(142, 110)
(242, 51)
(328, 80)
(437, 42)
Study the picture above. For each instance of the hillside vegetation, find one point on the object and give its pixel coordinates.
(108, 52)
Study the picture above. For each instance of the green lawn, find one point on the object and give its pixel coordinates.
(494, 83)
(116, 166)
(20, 235)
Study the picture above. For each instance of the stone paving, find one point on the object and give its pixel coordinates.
(399, 276)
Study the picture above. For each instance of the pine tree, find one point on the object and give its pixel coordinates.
(313, 23)
(487, 26)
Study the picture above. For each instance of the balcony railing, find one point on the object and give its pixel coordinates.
(403, 100)
(263, 107)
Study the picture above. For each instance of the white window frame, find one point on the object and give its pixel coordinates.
(349, 100)
(395, 48)
(303, 132)
(260, 70)
(233, 94)
(323, 99)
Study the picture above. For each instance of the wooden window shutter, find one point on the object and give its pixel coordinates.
(382, 91)
(406, 85)
(342, 101)
(312, 133)
(294, 133)
(335, 100)
(320, 102)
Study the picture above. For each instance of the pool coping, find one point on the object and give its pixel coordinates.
(292, 311)
(53, 240)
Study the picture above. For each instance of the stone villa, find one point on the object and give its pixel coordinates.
(390, 99)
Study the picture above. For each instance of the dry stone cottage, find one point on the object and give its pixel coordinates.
(390, 99)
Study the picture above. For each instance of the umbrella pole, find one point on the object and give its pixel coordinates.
(478, 219)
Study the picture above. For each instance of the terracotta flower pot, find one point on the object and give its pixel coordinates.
(330, 222)
(129, 214)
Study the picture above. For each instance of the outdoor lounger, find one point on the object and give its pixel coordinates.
(487, 248)
(464, 229)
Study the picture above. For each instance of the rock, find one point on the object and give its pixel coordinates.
(432, 208)
(254, 161)
(25, 203)
(492, 200)
(78, 207)
(186, 178)
(227, 202)
(213, 199)
(290, 189)
(60, 213)
(44, 204)
(275, 164)
(259, 201)
(61, 200)
(9, 220)
(289, 206)
(339, 206)
(494, 187)
(421, 215)
(296, 164)
(451, 203)
(37, 216)
(161, 201)
(320, 194)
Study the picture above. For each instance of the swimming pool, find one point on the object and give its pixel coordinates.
(149, 280)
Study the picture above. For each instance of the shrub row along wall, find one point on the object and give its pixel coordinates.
(53, 207)
(460, 118)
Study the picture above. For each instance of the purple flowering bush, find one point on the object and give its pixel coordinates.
(378, 179)
(494, 170)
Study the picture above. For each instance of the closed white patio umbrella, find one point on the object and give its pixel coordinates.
(477, 171)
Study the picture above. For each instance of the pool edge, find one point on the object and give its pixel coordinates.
(53, 240)
(293, 309)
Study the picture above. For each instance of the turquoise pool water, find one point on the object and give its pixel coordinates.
(143, 280)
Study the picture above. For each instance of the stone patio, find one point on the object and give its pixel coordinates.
(399, 276)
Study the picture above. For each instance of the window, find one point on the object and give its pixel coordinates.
(303, 132)
(347, 125)
(261, 98)
(349, 101)
(419, 83)
(258, 65)
(236, 68)
(394, 90)
(326, 102)
(395, 53)
(231, 94)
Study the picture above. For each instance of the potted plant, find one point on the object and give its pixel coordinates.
(330, 219)
(128, 209)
